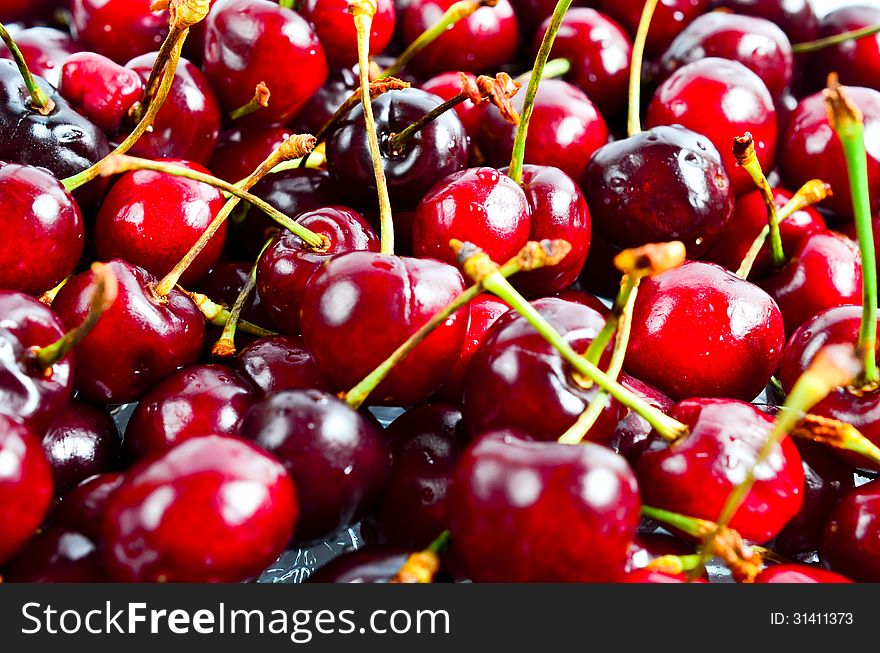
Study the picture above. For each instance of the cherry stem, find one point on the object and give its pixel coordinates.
(287, 4)
(397, 141)
(628, 289)
(40, 102)
(848, 122)
(634, 121)
(837, 434)
(457, 12)
(421, 567)
(123, 163)
(292, 148)
(363, 11)
(553, 68)
(218, 315)
(668, 428)
(105, 288)
(49, 296)
(259, 101)
(837, 39)
(744, 151)
(533, 256)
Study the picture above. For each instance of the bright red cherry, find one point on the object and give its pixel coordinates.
(119, 29)
(670, 18)
(791, 573)
(796, 17)
(57, 556)
(335, 28)
(45, 50)
(855, 61)
(850, 545)
(82, 508)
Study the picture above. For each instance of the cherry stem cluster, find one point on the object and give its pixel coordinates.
(634, 121)
(40, 101)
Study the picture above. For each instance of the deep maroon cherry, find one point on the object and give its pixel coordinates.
(373, 303)
(196, 400)
(578, 505)
(701, 331)
(280, 363)
(720, 99)
(45, 50)
(850, 544)
(448, 85)
(161, 335)
(670, 18)
(694, 477)
(119, 29)
(791, 573)
(82, 508)
(57, 556)
(667, 183)
(288, 263)
(211, 508)
(15, 10)
(797, 18)
(856, 60)
(314, 114)
(241, 149)
(599, 275)
(338, 459)
(633, 433)
(371, 564)
(335, 28)
(585, 298)
(224, 282)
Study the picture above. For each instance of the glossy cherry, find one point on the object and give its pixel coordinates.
(791, 573)
(335, 28)
(314, 114)
(670, 18)
(57, 556)
(119, 29)
(280, 363)
(241, 149)
(82, 508)
(633, 433)
(855, 61)
(852, 534)
(45, 50)
(15, 10)
(796, 17)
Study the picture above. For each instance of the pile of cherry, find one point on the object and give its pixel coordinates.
(257, 220)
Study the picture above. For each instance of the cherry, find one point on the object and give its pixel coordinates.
(796, 17)
(670, 18)
(253, 41)
(655, 576)
(440, 148)
(479, 205)
(517, 380)
(45, 49)
(162, 334)
(196, 400)
(335, 28)
(288, 263)
(585, 298)
(849, 229)
(43, 229)
(119, 29)
(211, 508)
(633, 432)
(850, 542)
(224, 282)
(280, 363)
(697, 313)
(448, 85)
(241, 149)
(339, 459)
(599, 275)
(683, 193)
(82, 440)
(25, 486)
(82, 508)
(15, 10)
(791, 573)
(483, 41)
(375, 302)
(855, 60)
(599, 51)
(57, 556)
(531, 13)
(720, 99)
(758, 44)
(565, 130)
(578, 505)
(810, 149)
(696, 475)
(371, 564)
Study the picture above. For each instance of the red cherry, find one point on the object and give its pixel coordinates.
(371, 564)
(796, 17)
(82, 508)
(241, 149)
(633, 432)
(57, 556)
(335, 28)
(446, 86)
(45, 50)
(670, 18)
(318, 109)
(855, 60)
(224, 282)
(119, 29)
(280, 363)
(850, 545)
(790, 573)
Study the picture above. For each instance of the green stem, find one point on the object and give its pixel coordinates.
(634, 121)
(40, 102)
(837, 39)
(687, 525)
(217, 315)
(440, 543)
(397, 142)
(744, 151)
(600, 342)
(260, 100)
(287, 4)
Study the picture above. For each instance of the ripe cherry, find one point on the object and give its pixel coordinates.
(119, 29)
(852, 535)
(57, 556)
(371, 564)
(796, 17)
(448, 85)
(45, 50)
(670, 18)
(314, 114)
(335, 28)
(241, 149)
(224, 282)
(280, 363)
(82, 508)
(633, 432)
(855, 60)
(791, 573)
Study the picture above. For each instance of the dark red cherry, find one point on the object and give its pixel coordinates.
(161, 335)
(565, 130)
(119, 29)
(335, 28)
(850, 544)
(211, 508)
(484, 40)
(314, 114)
(758, 44)
(16, 10)
(701, 331)
(280, 363)
(195, 401)
(446, 86)
(796, 17)
(45, 50)
(667, 183)
(824, 271)
(599, 275)
(578, 505)
(253, 41)
(695, 476)
(82, 508)
(599, 51)
(288, 263)
(338, 459)
(633, 433)
(670, 18)
(585, 298)
(82, 441)
(371, 564)
(57, 556)
(855, 61)
(437, 150)
(531, 13)
(42, 226)
(810, 149)
(792, 573)
(739, 101)
(426, 443)
(224, 282)
(241, 149)
(25, 486)
(517, 380)
(478, 205)
(373, 303)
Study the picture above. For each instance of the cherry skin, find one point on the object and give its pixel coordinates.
(371, 564)
(670, 18)
(337, 32)
(696, 475)
(83, 507)
(683, 193)
(224, 282)
(45, 50)
(599, 275)
(16, 10)
(810, 149)
(633, 432)
(482, 41)
(478, 205)
(339, 459)
(152, 219)
(796, 17)
(850, 542)
(531, 13)
(228, 510)
(81, 441)
(253, 41)
(25, 486)
(288, 263)
(241, 149)
(579, 505)
(790, 573)
(196, 400)
(856, 60)
(118, 29)
(446, 86)
(162, 335)
(599, 51)
(700, 312)
(758, 44)
(437, 150)
(280, 363)
(516, 380)
(565, 130)
(42, 226)
(318, 109)
(720, 99)
(57, 556)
